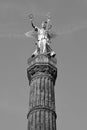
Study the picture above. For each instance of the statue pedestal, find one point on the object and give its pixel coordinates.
(42, 58)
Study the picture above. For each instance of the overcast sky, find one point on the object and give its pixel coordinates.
(69, 19)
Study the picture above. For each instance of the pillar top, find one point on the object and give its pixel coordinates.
(43, 59)
(42, 65)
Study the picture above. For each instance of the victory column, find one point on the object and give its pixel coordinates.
(42, 74)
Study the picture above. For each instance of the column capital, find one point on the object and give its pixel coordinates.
(42, 65)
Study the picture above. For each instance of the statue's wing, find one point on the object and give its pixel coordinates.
(52, 34)
(31, 34)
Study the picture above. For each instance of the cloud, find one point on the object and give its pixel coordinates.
(14, 35)
(68, 29)
(64, 30)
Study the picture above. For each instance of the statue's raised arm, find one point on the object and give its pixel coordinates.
(32, 22)
(32, 33)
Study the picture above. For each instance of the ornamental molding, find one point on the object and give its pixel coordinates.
(38, 69)
(39, 108)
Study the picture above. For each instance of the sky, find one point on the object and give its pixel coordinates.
(69, 19)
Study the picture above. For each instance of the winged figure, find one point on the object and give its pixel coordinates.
(43, 37)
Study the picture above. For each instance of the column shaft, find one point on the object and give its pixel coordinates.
(41, 104)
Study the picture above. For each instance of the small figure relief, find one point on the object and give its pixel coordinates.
(43, 37)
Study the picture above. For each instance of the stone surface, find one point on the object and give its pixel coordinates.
(42, 74)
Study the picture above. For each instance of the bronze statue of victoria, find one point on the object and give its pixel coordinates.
(42, 37)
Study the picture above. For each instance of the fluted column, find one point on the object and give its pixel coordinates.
(42, 74)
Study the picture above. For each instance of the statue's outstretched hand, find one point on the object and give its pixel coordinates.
(31, 17)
